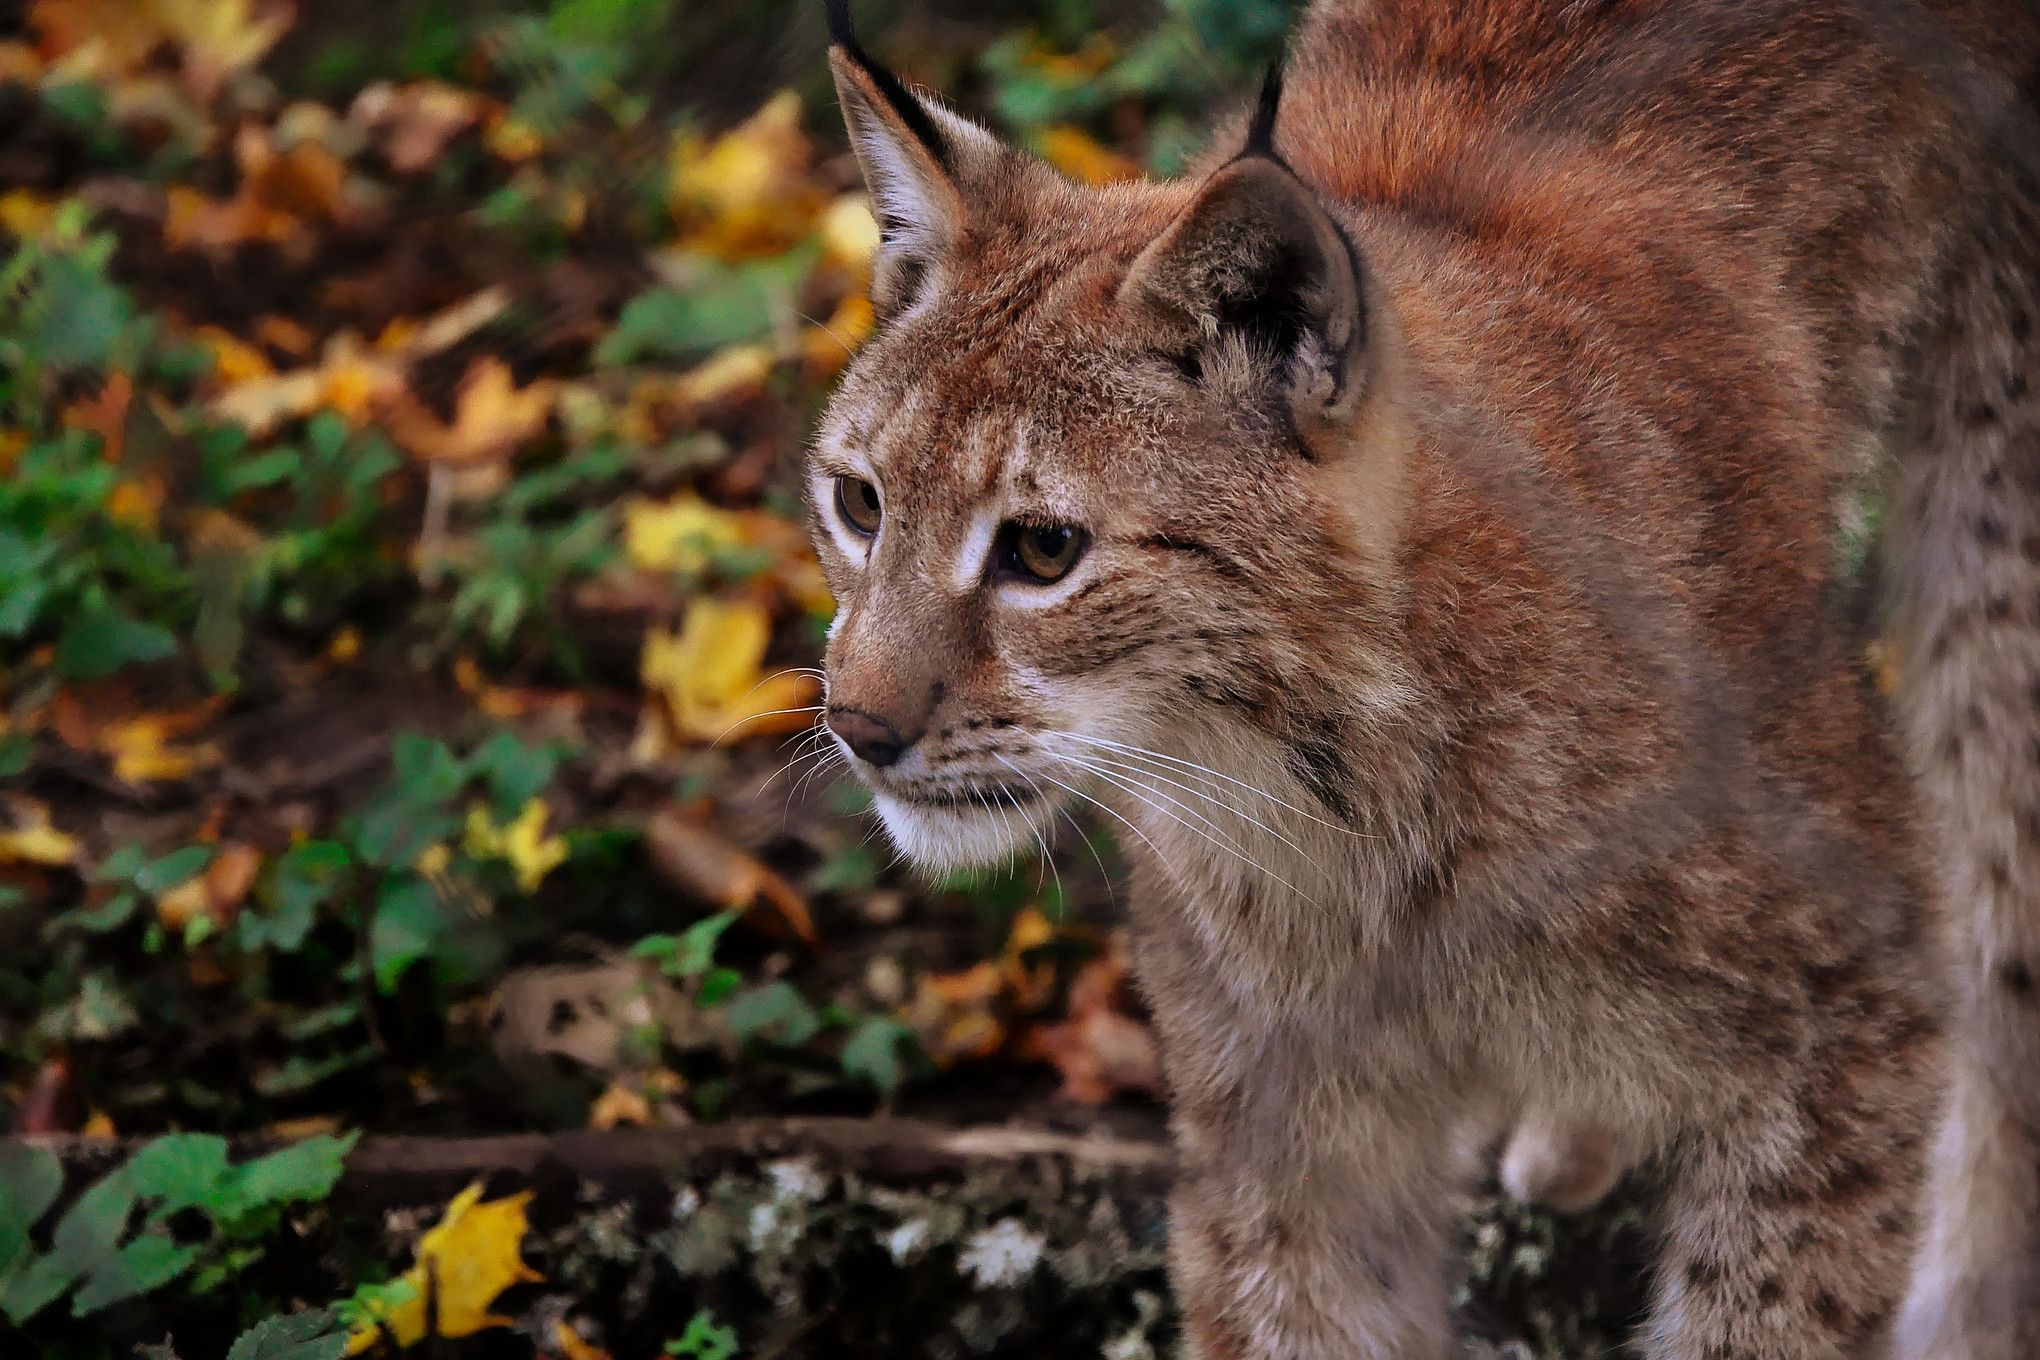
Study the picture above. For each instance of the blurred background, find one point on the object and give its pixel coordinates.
(403, 729)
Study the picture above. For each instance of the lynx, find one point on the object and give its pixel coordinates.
(1420, 531)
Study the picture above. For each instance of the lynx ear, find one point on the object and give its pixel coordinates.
(919, 161)
(1256, 256)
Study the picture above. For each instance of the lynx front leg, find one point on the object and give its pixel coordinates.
(1789, 1231)
(1325, 1237)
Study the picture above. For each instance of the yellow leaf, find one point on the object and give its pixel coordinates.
(34, 841)
(347, 379)
(25, 212)
(522, 842)
(142, 751)
(491, 417)
(828, 347)
(707, 677)
(345, 645)
(234, 360)
(470, 1257)
(735, 373)
(618, 1106)
(572, 1347)
(747, 193)
(1077, 154)
(849, 233)
(681, 534)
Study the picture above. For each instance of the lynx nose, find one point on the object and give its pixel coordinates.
(874, 739)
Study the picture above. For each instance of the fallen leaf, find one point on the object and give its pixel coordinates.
(491, 417)
(681, 534)
(955, 1014)
(471, 1256)
(707, 677)
(619, 1106)
(572, 1347)
(701, 861)
(216, 892)
(31, 839)
(415, 122)
(1099, 1050)
(747, 193)
(521, 841)
(348, 379)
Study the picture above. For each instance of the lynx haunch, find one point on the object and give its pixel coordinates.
(1418, 530)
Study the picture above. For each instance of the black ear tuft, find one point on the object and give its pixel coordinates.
(911, 111)
(1261, 132)
(840, 32)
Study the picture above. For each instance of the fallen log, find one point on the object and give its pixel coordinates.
(832, 1237)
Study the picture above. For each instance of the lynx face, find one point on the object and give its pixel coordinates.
(1087, 499)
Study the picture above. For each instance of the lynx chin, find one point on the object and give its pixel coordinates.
(1419, 532)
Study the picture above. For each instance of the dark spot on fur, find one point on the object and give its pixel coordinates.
(1771, 1290)
(1989, 532)
(1702, 1273)
(1998, 609)
(562, 1016)
(2015, 386)
(2000, 874)
(1981, 414)
(1318, 765)
(2016, 978)
(1223, 563)
(1828, 1309)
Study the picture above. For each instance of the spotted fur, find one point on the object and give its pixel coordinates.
(1463, 454)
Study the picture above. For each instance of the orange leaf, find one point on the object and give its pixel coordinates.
(491, 417)
(701, 861)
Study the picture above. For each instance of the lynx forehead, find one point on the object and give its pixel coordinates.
(1416, 531)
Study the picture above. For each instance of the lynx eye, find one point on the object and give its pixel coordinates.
(857, 501)
(1042, 552)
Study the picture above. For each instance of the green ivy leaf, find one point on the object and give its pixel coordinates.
(31, 1178)
(160, 876)
(101, 641)
(873, 1053)
(180, 1171)
(312, 1335)
(304, 1172)
(86, 1238)
(778, 1008)
(149, 1262)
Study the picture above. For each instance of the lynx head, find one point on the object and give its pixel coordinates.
(1110, 486)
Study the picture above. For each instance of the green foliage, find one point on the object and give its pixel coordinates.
(713, 305)
(705, 1339)
(310, 1335)
(117, 1241)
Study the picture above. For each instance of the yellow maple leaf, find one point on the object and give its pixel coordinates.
(25, 212)
(707, 677)
(522, 841)
(470, 1257)
(33, 840)
(347, 379)
(849, 233)
(681, 534)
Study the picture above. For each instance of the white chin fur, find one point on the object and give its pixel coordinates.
(946, 838)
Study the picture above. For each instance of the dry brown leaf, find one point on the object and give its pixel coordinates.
(415, 122)
(1100, 1050)
(701, 861)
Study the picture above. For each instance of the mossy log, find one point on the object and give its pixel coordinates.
(897, 1238)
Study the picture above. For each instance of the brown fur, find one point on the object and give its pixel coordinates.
(1461, 644)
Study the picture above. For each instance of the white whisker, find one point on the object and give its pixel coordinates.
(1140, 792)
(1180, 763)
